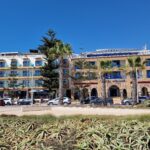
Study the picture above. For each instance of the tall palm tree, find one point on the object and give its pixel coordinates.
(135, 63)
(59, 51)
(105, 67)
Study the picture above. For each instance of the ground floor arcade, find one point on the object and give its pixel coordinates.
(116, 90)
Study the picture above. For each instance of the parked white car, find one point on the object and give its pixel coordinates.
(55, 101)
(7, 101)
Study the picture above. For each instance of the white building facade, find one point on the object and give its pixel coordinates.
(20, 73)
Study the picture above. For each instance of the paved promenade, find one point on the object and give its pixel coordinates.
(61, 110)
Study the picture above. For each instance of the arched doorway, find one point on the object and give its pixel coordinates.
(144, 92)
(114, 91)
(68, 93)
(94, 92)
(124, 93)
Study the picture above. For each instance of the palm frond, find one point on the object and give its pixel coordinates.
(131, 61)
(137, 61)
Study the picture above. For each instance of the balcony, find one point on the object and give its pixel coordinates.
(115, 75)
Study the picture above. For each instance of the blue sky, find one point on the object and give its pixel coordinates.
(85, 24)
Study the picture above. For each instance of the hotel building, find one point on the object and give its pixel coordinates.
(118, 81)
(20, 73)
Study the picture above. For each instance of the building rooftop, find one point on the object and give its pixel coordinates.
(31, 52)
(115, 52)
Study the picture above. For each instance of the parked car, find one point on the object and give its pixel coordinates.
(24, 102)
(97, 101)
(127, 101)
(87, 100)
(55, 101)
(143, 98)
(101, 101)
(2, 103)
(7, 101)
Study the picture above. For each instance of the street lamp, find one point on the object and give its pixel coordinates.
(137, 86)
(32, 85)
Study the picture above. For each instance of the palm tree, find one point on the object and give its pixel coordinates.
(106, 67)
(79, 64)
(59, 51)
(135, 63)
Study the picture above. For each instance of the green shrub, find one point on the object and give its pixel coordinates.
(75, 132)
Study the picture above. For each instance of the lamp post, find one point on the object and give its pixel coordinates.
(27, 94)
(32, 85)
(137, 86)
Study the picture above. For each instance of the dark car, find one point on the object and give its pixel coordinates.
(24, 102)
(143, 98)
(87, 100)
(97, 101)
(101, 101)
(109, 101)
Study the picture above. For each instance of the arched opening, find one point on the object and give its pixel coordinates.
(144, 92)
(76, 93)
(68, 93)
(124, 93)
(114, 91)
(94, 92)
(85, 93)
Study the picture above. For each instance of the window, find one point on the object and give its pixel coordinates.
(113, 75)
(77, 75)
(65, 82)
(2, 64)
(91, 76)
(37, 73)
(148, 62)
(13, 63)
(116, 63)
(139, 73)
(38, 63)
(148, 73)
(2, 73)
(65, 72)
(26, 83)
(1, 84)
(38, 82)
(13, 73)
(77, 67)
(25, 73)
(26, 63)
(92, 65)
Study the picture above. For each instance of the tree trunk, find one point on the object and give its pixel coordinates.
(134, 87)
(103, 80)
(61, 80)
